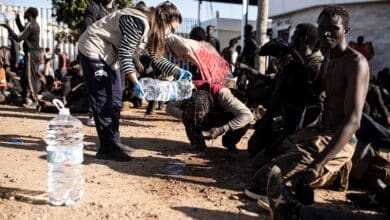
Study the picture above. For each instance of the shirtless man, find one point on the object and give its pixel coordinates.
(315, 156)
(346, 77)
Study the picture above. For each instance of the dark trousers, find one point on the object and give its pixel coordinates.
(31, 83)
(105, 97)
(371, 131)
(214, 119)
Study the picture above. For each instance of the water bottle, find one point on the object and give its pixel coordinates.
(64, 140)
(159, 90)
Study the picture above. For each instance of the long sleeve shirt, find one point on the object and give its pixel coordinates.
(29, 34)
(229, 103)
(132, 30)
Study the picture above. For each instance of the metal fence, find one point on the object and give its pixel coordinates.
(49, 27)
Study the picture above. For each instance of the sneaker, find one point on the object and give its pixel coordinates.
(375, 200)
(31, 105)
(282, 205)
(264, 203)
(91, 122)
(255, 193)
(115, 155)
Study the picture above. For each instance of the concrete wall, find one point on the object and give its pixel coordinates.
(370, 20)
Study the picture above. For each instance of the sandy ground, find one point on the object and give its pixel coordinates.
(165, 180)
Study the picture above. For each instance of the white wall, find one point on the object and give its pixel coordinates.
(370, 20)
(278, 7)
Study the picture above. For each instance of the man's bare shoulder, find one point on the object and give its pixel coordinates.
(354, 57)
(355, 62)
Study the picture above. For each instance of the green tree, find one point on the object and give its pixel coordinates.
(71, 13)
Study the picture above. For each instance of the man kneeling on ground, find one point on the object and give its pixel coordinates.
(212, 108)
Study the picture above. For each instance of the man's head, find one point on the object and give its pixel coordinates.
(140, 4)
(232, 42)
(305, 34)
(198, 34)
(210, 29)
(198, 106)
(333, 26)
(31, 13)
(248, 29)
(360, 39)
(105, 2)
(57, 50)
(284, 36)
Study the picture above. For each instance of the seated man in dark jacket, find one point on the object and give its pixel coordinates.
(295, 96)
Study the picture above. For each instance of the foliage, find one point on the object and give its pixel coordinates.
(71, 13)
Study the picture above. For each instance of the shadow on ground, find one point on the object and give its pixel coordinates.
(23, 195)
(205, 214)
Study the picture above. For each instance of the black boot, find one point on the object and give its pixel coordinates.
(119, 152)
(282, 205)
(127, 149)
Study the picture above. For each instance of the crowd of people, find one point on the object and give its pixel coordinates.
(325, 114)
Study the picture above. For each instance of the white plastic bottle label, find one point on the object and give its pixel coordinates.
(67, 157)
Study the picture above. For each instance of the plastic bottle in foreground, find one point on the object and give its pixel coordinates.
(159, 90)
(64, 140)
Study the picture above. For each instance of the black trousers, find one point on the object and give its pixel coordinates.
(105, 99)
(215, 119)
(31, 83)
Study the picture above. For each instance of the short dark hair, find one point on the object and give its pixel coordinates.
(32, 11)
(248, 28)
(140, 4)
(232, 42)
(310, 31)
(200, 101)
(334, 10)
(198, 34)
(209, 27)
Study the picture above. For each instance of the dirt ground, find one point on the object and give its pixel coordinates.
(165, 180)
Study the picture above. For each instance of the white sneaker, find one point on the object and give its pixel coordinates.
(264, 203)
(91, 122)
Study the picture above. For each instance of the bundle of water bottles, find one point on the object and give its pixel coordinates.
(160, 90)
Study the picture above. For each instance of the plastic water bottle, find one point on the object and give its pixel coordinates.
(159, 90)
(64, 140)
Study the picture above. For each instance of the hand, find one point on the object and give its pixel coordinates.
(307, 176)
(184, 74)
(138, 91)
(215, 132)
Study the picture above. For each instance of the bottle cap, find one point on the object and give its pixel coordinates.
(61, 108)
